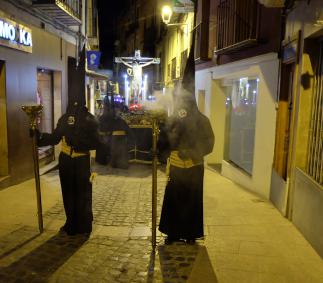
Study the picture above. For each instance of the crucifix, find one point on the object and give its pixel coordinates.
(135, 65)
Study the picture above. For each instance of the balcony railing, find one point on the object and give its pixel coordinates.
(237, 25)
(66, 11)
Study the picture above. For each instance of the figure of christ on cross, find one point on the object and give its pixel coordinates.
(136, 64)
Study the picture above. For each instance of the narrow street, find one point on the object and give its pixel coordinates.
(246, 238)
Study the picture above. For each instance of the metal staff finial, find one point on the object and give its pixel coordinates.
(34, 111)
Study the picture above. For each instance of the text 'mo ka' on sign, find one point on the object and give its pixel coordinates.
(15, 35)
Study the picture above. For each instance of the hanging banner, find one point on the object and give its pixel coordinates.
(15, 35)
(93, 59)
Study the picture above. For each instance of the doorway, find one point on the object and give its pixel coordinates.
(3, 123)
(284, 117)
(45, 96)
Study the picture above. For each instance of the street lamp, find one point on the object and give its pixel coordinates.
(166, 14)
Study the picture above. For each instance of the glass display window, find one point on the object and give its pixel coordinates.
(241, 103)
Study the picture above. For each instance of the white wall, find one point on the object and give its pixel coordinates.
(265, 67)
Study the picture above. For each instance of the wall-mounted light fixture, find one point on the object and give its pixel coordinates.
(166, 14)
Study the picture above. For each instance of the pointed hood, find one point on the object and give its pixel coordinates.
(188, 82)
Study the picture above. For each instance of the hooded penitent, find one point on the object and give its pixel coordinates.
(190, 138)
(77, 131)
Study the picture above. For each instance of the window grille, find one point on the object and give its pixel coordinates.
(237, 23)
(315, 147)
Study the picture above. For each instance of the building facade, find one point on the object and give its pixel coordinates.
(260, 86)
(175, 49)
(95, 80)
(236, 87)
(297, 174)
(34, 68)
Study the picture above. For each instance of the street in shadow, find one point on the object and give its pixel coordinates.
(39, 264)
(181, 263)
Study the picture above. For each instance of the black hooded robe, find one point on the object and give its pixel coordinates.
(78, 130)
(119, 144)
(190, 138)
(103, 152)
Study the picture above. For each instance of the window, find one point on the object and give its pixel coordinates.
(241, 101)
(174, 68)
(183, 61)
(202, 30)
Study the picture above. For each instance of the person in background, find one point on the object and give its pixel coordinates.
(189, 139)
(77, 130)
(119, 142)
(103, 152)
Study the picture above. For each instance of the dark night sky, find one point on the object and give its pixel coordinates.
(107, 12)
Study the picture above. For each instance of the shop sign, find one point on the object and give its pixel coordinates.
(15, 35)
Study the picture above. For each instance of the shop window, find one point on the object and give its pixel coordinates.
(241, 102)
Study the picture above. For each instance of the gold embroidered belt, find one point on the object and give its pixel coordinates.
(66, 149)
(176, 161)
(119, 133)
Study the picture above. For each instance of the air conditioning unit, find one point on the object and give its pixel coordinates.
(272, 3)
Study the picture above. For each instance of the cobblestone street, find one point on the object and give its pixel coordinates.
(118, 250)
(246, 238)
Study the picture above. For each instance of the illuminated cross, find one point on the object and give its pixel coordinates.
(136, 64)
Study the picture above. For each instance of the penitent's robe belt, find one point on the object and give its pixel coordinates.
(119, 133)
(66, 149)
(176, 161)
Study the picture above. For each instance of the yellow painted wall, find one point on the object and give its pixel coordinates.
(178, 39)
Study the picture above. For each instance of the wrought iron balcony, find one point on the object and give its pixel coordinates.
(237, 25)
(65, 11)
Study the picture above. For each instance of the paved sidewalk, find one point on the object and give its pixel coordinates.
(247, 240)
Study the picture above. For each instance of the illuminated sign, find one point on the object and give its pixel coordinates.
(15, 35)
